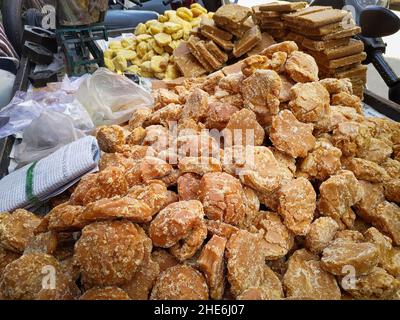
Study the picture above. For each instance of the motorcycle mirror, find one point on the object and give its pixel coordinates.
(377, 22)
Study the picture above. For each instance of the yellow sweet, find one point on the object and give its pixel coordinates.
(153, 44)
(172, 72)
(160, 75)
(128, 42)
(156, 28)
(109, 54)
(143, 37)
(109, 64)
(115, 45)
(146, 67)
(142, 49)
(171, 27)
(163, 39)
(149, 54)
(145, 74)
(133, 69)
(162, 18)
(120, 63)
(159, 64)
(140, 29)
(127, 54)
(185, 13)
(197, 10)
(177, 35)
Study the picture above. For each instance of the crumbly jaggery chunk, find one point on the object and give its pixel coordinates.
(110, 252)
(107, 293)
(111, 138)
(222, 198)
(321, 233)
(290, 135)
(105, 184)
(362, 256)
(337, 195)
(261, 91)
(180, 283)
(180, 226)
(211, 263)
(302, 67)
(16, 229)
(306, 278)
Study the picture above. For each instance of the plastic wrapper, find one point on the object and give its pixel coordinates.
(110, 98)
(46, 134)
(81, 12)
(26, 107)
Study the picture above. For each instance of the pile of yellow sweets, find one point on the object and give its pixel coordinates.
(149, 52)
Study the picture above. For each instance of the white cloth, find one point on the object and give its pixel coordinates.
(51, 175)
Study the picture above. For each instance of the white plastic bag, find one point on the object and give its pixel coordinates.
(110, 98)
(25, 107)
(45, 135)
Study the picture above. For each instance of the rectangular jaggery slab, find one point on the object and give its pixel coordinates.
(224, 44)
(354, 47)
(284, 6)
(321, 18)
(231, 14)
(248, 42)
(216, 52)
(333, 64)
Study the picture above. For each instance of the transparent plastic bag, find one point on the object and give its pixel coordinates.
(26, 107)
(110, 98)
(46, 134)
(81, 12)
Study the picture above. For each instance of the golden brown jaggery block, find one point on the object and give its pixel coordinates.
(353, 47)
(324, 46)
(351, 137)
(278, 238)
(23, 278)
(321, 233)
(341, 62)
(221, 229)
(306, 278)
(244, 273)
(372, 196)
(297, 203)
(180, 283)
(6, 257)
(199, 165)
(386, 219)
(302, 67)
(208, 25)
(164, 259)
(105, 184)
(196, 106)
(266, 41)
(231, 14)
(192, 45)
(337, 195)
(186, 218)
(282, 6)
(322, 162)
(111, 138)
(243, 128)
(362, 256)
(366, 170)
(392, 190)
(321, 18)
(222, 198)
(219, 114)
(42, 243)
(247, 42)
(213, 49)
(107, 293)
(211, 263)
(224, 44)
(261, 92)
(290, 135)
(202, 50)
(110, 252)
(377, 285)
(189, 66)
(17, 228)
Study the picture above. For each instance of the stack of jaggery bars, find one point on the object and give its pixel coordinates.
(269, 17)
(327, 35)
(230, 34)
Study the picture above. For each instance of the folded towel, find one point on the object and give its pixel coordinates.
(49, 177)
